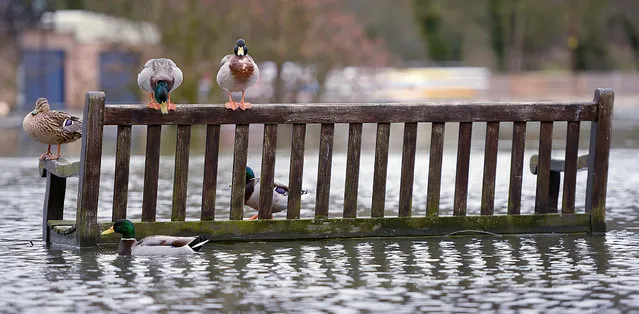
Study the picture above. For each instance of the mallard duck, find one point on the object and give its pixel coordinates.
(237, 73)
(153, 245)
(51, 127)
(160, 77)
(252, 194)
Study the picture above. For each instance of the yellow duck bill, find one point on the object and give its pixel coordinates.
(108, 231)
(163, 107)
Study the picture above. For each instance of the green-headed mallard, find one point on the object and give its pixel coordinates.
(237, 73)
(160, 77)
(252, 194)
(153, 245)
(51, 127)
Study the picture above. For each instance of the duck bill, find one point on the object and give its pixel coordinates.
(164, 108)
(108, 231)
(240, 51)
(35, 112)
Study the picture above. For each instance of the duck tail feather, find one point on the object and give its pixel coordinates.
(197, 243)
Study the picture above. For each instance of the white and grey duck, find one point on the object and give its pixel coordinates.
(280, 194)
(51, 127)
(153, 245)
(237, 73)
(159, 78)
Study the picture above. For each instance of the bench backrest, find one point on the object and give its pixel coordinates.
(97, 115)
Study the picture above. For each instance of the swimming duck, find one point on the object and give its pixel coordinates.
(160, 77)
(51, 127)
(153, 245)
(237, 73)
(252, 194)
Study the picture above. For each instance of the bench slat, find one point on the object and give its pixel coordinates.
(351, 183)
(435, 168)
(570, 174)
(463, 163)
(355, 113)
(151, 171)
(296, 171)
(240, 151)
(181, 173)
(408, 170)
(542, 198)
(324, 170)
(121, 179)
(490, 168)
(381, 169)
(267, 174)
(209, 181)
(516, 168)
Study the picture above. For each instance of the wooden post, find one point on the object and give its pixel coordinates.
(267, 176)
(87, 232)
(296, 171)
(53, 208)
(598, 170)
(121, 179)
(240, 151)
(209, 180)
(181, 173)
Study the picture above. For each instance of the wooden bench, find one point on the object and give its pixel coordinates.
(85, 230)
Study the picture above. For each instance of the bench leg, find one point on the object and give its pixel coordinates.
(553, 194)
(53, 203)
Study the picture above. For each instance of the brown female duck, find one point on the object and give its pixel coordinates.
(51, 127)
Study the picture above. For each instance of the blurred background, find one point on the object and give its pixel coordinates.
(321, 51)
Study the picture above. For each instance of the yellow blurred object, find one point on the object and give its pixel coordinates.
(572, 42)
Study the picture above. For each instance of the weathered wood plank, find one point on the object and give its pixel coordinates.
(240, 151)
(60, 167)
(543, 169)
(181, 173)
(570, 175)
(89, 175)
(267, 175)
(53, 208)
(408, 170)
(355, 113)
(351, 183)
(295, 229)
(121, 179)
(490, 168)
(516, 168)
(380, 170)
(435, 169)
(209, 188)
(151, 172)
(296, 171)
(324, 170)
(463, 163)
(605, 99)
(558, 165)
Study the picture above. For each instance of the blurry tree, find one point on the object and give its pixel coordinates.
(443, 40)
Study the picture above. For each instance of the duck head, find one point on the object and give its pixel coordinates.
(42, 104)
(250, 175)
(123, 227)
(240, 48)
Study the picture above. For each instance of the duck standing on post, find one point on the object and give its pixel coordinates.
(237, 73)
(159, 78)
(51, 127)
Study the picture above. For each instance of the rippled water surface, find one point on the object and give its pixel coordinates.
(544, 273)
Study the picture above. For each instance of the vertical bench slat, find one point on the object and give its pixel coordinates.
(267, 174)
(324, 170)
(87, 233)
(381, 169)
(490, 168)
(435, 168)
(542, 198)
(463, 163)
(601, 150)
(209, 188)
(516, 168)
(408, 170)
(296, 171)
(351, 183)
(570, 172)
(181, 172)
(151, 171)
(121, 180)
(240, 151)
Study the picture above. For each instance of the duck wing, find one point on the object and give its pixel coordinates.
(160, 240)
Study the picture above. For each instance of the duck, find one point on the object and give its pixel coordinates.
(237, 73)
(160, 77)
(252, 194)
(51, 127)
(153, 245)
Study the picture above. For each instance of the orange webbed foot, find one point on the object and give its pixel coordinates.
(245, 105)
(171, 106)
(231, 105)
(154, 105)
(45, 156)
(253, 217)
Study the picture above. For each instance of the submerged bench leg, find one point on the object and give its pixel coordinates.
(53, 207)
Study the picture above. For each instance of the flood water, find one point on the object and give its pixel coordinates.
(506, 274)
